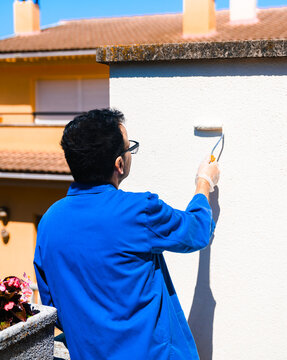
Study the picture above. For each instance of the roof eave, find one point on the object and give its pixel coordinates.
(43, 54)
(35, 176)
(164, 52)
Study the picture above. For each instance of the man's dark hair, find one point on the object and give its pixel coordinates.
(92, 142)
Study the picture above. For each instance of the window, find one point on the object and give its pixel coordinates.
(58, 101)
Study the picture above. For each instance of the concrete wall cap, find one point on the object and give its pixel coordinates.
(15, 333)
(193, 51)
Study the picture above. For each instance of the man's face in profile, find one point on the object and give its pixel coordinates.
(127, 157)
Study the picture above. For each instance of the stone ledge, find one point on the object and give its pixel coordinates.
(46, 317)
(192, 51)
(60, 348)
(60, 351)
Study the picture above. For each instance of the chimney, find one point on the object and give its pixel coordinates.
(243, 11)
(26, 16)
(198, 17)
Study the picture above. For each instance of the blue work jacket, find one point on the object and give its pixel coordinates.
(99, 261)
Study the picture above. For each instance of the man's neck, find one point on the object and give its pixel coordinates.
(115, 181)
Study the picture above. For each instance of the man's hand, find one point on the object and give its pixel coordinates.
(207, 177)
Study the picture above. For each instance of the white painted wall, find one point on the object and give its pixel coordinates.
(247, 261)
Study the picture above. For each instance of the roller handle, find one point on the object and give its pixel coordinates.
(212, 158)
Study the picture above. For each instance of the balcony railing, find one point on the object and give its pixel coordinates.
(47, 114)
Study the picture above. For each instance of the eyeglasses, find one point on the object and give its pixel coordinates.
(132, 149)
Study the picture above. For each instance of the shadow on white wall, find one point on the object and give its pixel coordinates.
(201, 314)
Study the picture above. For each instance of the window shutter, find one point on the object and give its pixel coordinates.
(75, 95)
(95, 94)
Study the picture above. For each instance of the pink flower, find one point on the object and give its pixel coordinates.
(16, 283)
(27, 291)
(23, 299)
(2, 287)
(25, 287)
(10, 281)
(9, 306)
(27, 278)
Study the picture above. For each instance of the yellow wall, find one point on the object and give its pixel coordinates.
(25, 200)
(34, 138)
(18, 83)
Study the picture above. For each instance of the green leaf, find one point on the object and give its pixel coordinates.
(9, 295)
(4, 325)
(21, 315)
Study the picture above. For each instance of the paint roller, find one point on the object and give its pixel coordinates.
(215, 129)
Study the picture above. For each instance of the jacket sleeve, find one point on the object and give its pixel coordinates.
(42, 282)
(179, 231)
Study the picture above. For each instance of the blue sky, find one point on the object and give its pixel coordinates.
(54, 10)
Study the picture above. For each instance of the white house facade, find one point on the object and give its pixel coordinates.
(234, 292)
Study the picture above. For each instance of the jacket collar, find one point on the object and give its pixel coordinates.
(78, 188)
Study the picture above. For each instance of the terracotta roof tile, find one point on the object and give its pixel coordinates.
(33, 162)
(149, 29)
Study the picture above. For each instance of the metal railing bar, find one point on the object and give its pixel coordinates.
(44, 113)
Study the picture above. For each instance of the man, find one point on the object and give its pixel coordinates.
(98, 256)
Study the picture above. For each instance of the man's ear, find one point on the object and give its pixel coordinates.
(119, 165)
